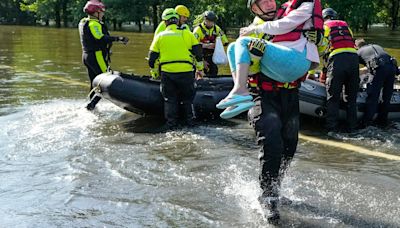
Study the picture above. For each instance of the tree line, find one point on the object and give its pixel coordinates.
(360, 14)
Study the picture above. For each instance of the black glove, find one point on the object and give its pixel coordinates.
(314, 36)
(123, 39)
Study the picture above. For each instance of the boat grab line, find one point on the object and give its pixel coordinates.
(349, 147)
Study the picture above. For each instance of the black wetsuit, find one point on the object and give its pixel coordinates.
(342, 70)
(275, 119)
(95, 51)
(178, 90)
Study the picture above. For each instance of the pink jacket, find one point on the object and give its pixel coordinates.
(289, 23)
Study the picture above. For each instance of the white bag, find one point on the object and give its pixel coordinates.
(219, 56)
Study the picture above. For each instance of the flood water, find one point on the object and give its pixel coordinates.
(62, 166)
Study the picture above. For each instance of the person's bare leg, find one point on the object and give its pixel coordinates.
(234, 79)
(233, 76)
(240, 79)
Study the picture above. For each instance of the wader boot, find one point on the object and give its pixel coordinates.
(189, 115)
(269, 201)
(93, 102)
(171, 114)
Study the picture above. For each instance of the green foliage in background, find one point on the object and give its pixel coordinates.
(360, 14)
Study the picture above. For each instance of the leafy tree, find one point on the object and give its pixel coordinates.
(360, 14)
(44, 9)
(10, 13)
(75, 9)
(126, 11)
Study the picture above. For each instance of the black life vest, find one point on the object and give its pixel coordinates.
(89, 43)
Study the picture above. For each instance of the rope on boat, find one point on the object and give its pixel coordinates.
(97, 88)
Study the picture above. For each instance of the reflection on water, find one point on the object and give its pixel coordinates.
(62, 166)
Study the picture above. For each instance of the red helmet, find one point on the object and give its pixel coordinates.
(94, 6)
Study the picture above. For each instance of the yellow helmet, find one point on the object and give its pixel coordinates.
(182, 10)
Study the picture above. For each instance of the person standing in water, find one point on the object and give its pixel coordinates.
(95, 41)
(176, 51)
(274, 112)
(342, 70)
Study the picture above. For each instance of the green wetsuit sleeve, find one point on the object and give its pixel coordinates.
(97, 32)
(96, 29)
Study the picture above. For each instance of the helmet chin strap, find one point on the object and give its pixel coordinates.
(269, 15)
(98, 16)
(95, 15)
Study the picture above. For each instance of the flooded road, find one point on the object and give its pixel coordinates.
(62, 166)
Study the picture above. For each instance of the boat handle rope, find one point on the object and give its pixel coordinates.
(97, 88)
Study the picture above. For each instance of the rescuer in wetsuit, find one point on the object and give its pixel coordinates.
(96, 42)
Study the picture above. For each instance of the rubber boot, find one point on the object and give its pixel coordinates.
(269, 201)
(382, 120)
(171, 114)
(93, 102)
(188, 111)
(270, 207)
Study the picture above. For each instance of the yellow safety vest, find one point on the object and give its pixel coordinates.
(174, 46)
(205, 35)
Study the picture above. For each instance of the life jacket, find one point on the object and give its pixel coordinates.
(175, 46)
(259, 82)
(89, 43)
(339, 36)
(207, 37)
(316, 18)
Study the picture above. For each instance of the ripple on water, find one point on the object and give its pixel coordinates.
(64, 165)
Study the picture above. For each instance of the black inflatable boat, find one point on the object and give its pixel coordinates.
(141, 94)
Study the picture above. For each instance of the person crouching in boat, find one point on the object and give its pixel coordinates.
(174, 49)
(383, 68)
(96, 42)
